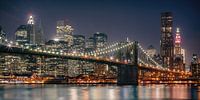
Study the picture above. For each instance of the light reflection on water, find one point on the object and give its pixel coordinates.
(96, 92)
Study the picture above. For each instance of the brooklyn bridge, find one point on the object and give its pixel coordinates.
(127, 62)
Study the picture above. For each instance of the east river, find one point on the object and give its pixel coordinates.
(96, 92)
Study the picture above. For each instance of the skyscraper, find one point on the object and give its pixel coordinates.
(21, 35)
(177, 42)
(195, 67)
(39, 33)
(167, 41)
(79, 43)
(89, 45)
(179, 53)
(64, 32)
(31, 30)
(100, 40)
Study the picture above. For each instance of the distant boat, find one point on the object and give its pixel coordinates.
(196, 85)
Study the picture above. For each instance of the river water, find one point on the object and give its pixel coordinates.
(96, 92)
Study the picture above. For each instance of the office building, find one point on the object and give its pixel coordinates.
(167, 40)
(100, 40)
(89, 46)
(39, 33)
(64, 32)
(79, 43)
(21, 35)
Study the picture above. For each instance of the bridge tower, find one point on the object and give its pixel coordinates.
(128, 73)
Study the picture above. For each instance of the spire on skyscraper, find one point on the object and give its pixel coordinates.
(178, 36)
(30, 20)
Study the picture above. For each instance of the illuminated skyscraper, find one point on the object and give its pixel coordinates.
(177, 43)
(179, 53)
(167, 40)
(64, 32)
(31, 30)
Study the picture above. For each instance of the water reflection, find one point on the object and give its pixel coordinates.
(97, 92)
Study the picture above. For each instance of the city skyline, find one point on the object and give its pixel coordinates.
(136, 20)
(99, 49)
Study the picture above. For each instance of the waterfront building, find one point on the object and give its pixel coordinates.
(167, 40)
(64, 32)
(12, 65)
(195, 67)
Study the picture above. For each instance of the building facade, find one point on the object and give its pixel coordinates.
(39, 33)
(89, 46)
(195, 67)
(21, 35)
(64, 32)
(167, 40)
(79, 43)
(100, 40)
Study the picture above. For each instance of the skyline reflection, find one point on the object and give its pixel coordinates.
(100, 92)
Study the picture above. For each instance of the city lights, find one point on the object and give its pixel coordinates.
(56, 52)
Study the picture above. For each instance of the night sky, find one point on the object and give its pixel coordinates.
(138, 20)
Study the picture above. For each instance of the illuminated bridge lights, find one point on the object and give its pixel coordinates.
(95, 55)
